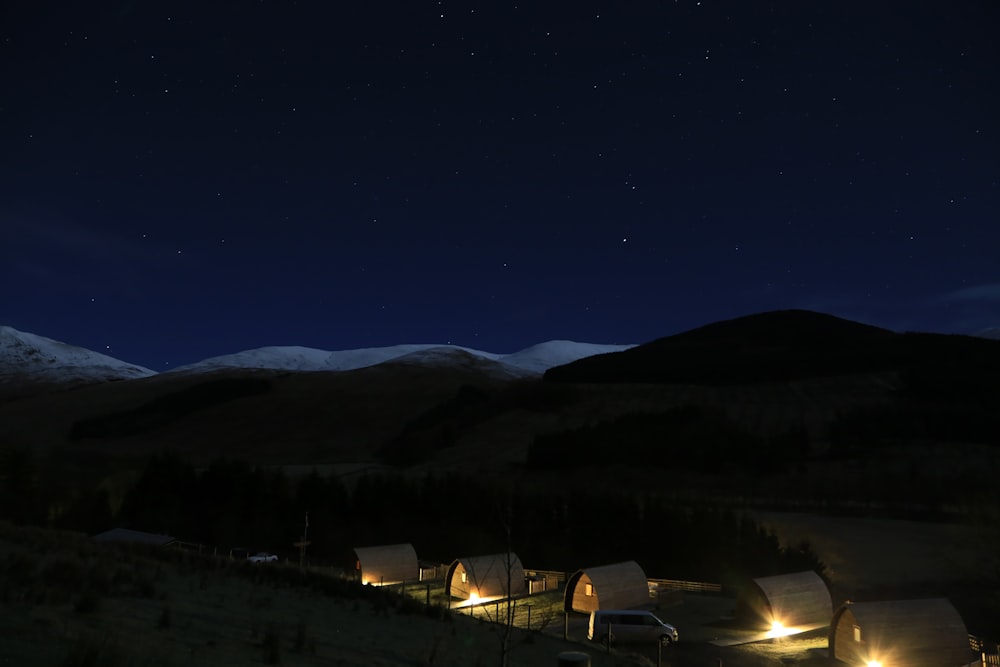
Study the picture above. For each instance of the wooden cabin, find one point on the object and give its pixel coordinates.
(616, 586)
(796, 600)
(900, 633)
(387, 564)
(484, 577)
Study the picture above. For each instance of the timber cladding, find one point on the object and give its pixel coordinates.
(616, 586)
(387, 564)
(492, 576)
(914, 633)
(796, 599)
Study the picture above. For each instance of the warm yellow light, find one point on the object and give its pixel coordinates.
(874, 663)
(778, 629)
(473, 596)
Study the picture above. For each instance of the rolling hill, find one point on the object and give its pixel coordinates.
(789, 345)
(783, 407)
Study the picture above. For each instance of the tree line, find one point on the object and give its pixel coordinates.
(444, 515)
(689, 437)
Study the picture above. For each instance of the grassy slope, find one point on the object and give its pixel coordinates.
(178, 612)
(219, 617)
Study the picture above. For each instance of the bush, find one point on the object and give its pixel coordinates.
(89, 651)
(88, 603)
(166, 618)
(272, 647)
(63, 574)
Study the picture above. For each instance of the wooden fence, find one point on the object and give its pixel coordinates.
(981, 646)
(680, 585)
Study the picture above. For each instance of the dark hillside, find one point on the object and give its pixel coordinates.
(784, 408)
(791, 345)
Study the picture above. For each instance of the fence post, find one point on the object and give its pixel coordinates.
(573, 659)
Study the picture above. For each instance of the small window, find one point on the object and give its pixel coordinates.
(857, 633)
(465, 577)
(588, 590)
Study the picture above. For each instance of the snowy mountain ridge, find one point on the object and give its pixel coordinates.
(27, 355)
(533, 360)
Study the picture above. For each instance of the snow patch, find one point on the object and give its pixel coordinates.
(29, 355)
(25, 354)
(534, 360)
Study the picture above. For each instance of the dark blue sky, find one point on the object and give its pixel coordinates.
(178, 182)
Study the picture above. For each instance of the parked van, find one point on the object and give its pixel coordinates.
(627, 625)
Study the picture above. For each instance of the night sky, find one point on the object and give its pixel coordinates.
(183, 180)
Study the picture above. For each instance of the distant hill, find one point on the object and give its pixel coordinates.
(789, 406)
(788, 345)
(991, 332)
(30, 357)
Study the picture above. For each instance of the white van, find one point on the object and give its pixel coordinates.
(627, 625)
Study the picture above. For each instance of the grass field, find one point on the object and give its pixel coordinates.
(65, 600)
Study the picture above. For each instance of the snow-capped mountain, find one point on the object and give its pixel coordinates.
(540, 358)
(25, 354)
(295, 358)
(534, 360)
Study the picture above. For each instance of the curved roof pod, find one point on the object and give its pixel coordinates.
(493, 576)
(914, 633)
(387, 564)
(795, 600)
(616, 586)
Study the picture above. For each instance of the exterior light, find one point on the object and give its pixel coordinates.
(874, 663)
(778, 629)
(474, 597)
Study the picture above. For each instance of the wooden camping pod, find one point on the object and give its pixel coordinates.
(799, 599)
(914, 633)
(616, 586)
(485, 576)
(388, 564)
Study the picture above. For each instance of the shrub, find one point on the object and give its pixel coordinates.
(90, 651)
(88, 603)
(63, 574)
(272, 646)
(301, 637)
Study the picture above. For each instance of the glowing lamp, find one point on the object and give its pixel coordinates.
(874, 663)
(777, 626)
(473, 596)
